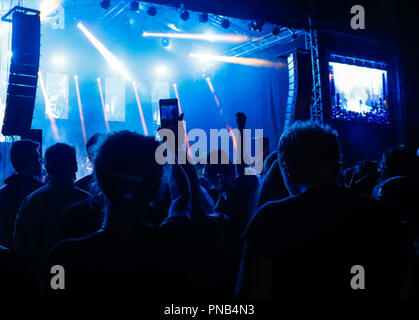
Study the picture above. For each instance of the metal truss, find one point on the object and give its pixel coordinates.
(262, 43)
(316, 107)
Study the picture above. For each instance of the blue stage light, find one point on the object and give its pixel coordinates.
(161, 70)
(225, 23)
(58, 60)
(165, 42)
(203, 17)
(109, 57)
(152, 11)
(105, 4)
(184, 15)
(134, 5)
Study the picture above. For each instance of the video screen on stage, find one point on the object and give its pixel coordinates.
(358, 93)
(115, 99)
(57, 92)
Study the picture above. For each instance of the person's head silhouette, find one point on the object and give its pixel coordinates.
(61, 163)
(399, 161)
(126, 169)
(309, 155)
(25, 157)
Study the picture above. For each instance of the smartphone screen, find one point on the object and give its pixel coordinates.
(169, 112)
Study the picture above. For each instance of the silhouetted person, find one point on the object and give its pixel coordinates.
(401, 194)
(86, 216)
(85, 183)
(400, 161)
(26, 161)
(271, 186)
(40, 214)
(306, 245)
(127, 258)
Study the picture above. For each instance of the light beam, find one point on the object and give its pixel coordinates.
(235, 38)
(109, 57)
(238, 60)
(140, 109)
(99, 84)
(76, 81)
(47, 109)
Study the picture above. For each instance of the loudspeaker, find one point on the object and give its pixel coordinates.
(23, 74)
(299, 87)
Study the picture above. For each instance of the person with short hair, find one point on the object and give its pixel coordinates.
(304, 246)
(26, 160)
(127, 257)
(40, 214)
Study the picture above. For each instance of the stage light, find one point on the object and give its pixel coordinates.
(236, 38)
(255, 62)
(3, 28)
(184, 15)
(152, 11)
(105, 4)
(161, 70)
(83, 127)
(109, 57)
(188, 146)
(256, 25)
(134, 5)
(48, 6)
(58, 60)
(203, 17)
(165, 42)
(225, 23)
(47, 108)
(99, 84)
(276, 30)
(140, 109)
(203, 59)
(173, 27)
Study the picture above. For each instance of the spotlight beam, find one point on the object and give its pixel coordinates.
(140, 109)
(239, 60)
(202, 36)
(217, 102)
(47, 107)
(109, 57)
(99, 84)
(76, 81)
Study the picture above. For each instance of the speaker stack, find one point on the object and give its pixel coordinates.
(23, 72)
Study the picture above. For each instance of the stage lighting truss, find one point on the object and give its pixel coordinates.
(265, 42)
(256, 25)
(316, 107)
(203, 17)
(276, 30)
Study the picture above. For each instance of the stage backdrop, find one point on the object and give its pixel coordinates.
(258, 92)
